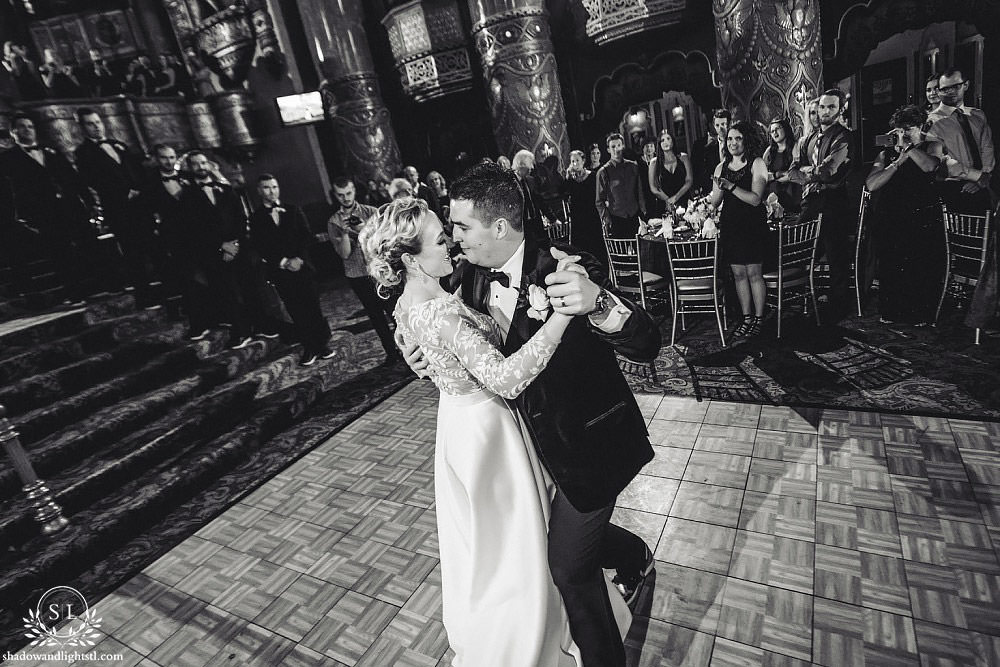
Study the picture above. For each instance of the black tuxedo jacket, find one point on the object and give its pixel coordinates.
(111, 180)
(157, 201)
(209, 226)
(290, 238)
(51, 198)
(584, 421)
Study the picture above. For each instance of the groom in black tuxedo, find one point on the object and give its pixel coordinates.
(583, 418)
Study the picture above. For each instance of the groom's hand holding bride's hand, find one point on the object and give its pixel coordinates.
(570, 290)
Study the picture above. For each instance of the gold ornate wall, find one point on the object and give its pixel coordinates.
(519, 67)
(770, 56)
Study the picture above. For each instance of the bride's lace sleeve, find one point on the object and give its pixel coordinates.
(504, 376)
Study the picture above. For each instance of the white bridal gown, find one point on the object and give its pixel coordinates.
(500, 605)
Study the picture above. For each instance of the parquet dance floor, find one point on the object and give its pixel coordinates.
(782, 537)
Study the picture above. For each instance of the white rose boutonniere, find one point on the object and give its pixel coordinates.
(538, 302)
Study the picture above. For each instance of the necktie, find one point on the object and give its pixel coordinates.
(970, 140)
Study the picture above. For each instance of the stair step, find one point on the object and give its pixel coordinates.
(105, 308)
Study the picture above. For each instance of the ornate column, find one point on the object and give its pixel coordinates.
(770, 56)
(519, 67)
(366, 143)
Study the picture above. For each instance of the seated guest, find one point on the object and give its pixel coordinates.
(907, 222)
(967, 140)
(778, 158)
(280, 235)
(670, 175)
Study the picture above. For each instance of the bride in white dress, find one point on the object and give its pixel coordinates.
(500, 605)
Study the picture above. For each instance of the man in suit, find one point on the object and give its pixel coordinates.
(116, 175)
(707, 152)
(420, 189)
(828, 155)
(968, 143)
(280, 234)
(217, 235)
(163, 200)
(50, 199)
(584, 420)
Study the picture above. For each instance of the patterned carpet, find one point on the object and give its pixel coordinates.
(860, 364)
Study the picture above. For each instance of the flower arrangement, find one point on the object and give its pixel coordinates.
(702, 216)
(775, 211)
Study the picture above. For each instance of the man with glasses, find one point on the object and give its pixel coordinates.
(968, 144)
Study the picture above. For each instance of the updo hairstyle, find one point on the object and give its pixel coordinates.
(393, 232)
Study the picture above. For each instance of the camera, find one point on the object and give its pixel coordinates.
(888, 139)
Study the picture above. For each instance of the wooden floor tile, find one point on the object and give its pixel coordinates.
(786, 446)
(687, 597)
(649, 494)
(718, 469)
(673, 433)
(728, 653)
(707, 503)
(299, 607)
(883, 584)
(782, 478)
(646, 525)
(767, 617)
(934, 594)
(698, 545)
(346, 632)
(744, 415)
(668, 462)
(681, 408)
(838, 574)
(726, 439)
(771, 560)
(784, 516)
(783, 418)
(838, 634)
(654, 643)
(197, 642)
(942, 645)
(922, 539)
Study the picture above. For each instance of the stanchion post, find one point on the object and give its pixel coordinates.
(46, 512)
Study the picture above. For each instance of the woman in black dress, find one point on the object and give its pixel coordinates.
(580, 187)
(778, 159)
(670, 173)
(739, 183)
(907, 226)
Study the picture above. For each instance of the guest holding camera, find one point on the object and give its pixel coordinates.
(907, 227)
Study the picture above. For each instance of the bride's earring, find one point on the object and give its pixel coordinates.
(416, 272)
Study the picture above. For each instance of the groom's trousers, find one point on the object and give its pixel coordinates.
(580, 545)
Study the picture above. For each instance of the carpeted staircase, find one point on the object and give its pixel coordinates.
(143, 436)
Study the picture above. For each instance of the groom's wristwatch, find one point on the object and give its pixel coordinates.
(602, 304)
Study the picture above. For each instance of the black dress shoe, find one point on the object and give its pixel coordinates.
(630, 585)
(327, 353)
(308, 359)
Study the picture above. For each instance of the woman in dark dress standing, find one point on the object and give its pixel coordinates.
(670, 173)
(778, 159)
(907, 226)
(739, 183)
(580, 186)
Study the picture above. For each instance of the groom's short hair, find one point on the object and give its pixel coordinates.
(494, 193)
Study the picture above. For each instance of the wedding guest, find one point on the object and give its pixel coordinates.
(907, 222)
(779, 158)
(619, 197)
(98, 78)
(136, 81)
(504, 161)
(739, 182)
(522, 165)
(399, 188)
(164, 77)
(707, 153)
(579, 187)
(24, 72)
(440, 188)
(670, 175)
(654, 205)
(419, 188)
(594, 154)
(280, 235)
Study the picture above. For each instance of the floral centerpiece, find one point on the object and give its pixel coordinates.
(775, 211)
(701, 215)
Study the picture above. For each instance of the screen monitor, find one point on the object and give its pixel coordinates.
(300, 109)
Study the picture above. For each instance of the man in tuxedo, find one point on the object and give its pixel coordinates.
(163, 200)
(967, 139)
(420, 189)
(51, 201)
(707, 152)
(116, 175)
(828, 154)
(280, 234)
(582, 415)
(217, 229)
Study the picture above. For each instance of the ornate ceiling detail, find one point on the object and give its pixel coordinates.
(614, 19)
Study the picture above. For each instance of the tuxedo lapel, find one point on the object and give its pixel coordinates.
(523, 327)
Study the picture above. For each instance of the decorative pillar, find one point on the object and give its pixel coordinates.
(366, 143)
(770, 57)
(519, 67)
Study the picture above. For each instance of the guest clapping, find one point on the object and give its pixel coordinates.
(670, 175)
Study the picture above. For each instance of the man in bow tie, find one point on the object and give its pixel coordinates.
(582, 416)
(280, 235)
(53, 204)
(116, 175)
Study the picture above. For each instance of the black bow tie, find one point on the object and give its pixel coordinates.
(32, 149)
(496, 277)
(167, 179)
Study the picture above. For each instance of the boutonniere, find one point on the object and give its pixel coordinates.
(538, 303)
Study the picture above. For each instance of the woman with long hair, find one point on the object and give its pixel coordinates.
(778, 158)
(670, 174)
(738, 184)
